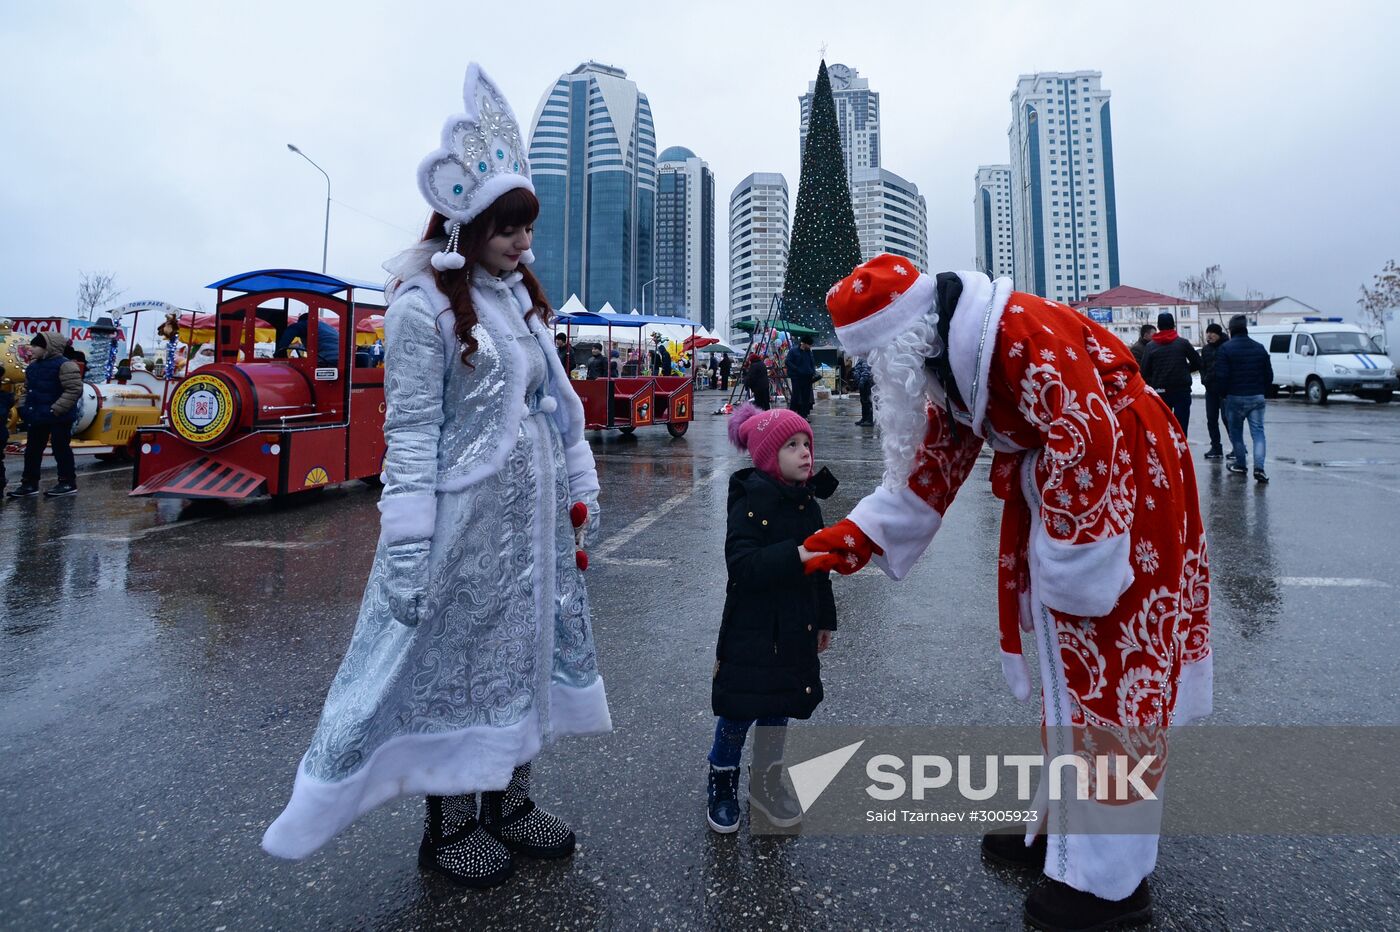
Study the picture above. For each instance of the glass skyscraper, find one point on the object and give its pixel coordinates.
(593, 160)
(685, 238)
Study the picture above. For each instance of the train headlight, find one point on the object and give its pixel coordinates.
(204, 408)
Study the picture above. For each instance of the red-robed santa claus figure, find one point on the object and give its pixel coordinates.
(1102, 555)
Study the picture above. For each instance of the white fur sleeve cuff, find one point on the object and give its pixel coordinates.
(583, 474)
(901, 523)
(1086, 579)
(404, 518)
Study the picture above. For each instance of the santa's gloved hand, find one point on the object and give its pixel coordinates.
(843, 547)
(406, 582)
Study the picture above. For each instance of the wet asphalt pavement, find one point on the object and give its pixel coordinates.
(162, 669)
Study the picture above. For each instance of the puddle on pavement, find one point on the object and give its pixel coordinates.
(1341, 463)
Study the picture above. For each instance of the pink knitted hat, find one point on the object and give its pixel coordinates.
(763, 433)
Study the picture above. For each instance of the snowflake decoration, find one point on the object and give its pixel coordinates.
(1146, 555)
(1061, 526)
(1101, 468)
(858, 286)
(1084, 500)
(851, 559)
(1007, 561)
(1124, 458)
(1069, 351)
(900, 270)
(1083, 478)
(831, 292)
(1047, 355)
(1016, 309)
(849, 541)
(894, 294)
(1016, 350)
(1064, 498)
(1151, 503)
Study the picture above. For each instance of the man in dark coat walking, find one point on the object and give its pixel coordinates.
(1144, 340)
(53, 383)
(1244, 374)
(1167, 364)
(865, 383)
(725, 364)
(1215, 413)
(756, 381)
(801, 373)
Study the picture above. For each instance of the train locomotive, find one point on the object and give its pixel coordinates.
(246, 426)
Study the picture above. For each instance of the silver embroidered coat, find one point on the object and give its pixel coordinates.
(483, 460)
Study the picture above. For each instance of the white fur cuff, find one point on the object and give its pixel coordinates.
(901, 523)
(405, 518)
(583, 473)
(1017, 674)
(1084, 580)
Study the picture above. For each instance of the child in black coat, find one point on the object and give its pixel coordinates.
(776, 618)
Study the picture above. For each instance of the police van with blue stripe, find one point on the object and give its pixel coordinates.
(1322, 355)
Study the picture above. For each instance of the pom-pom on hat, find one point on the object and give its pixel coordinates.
(878, 301)
(762, 434)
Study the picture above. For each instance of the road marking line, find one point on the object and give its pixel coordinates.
(630, 561)
(273, 544)
(139, 535)
(1332, 581)
(616, 541)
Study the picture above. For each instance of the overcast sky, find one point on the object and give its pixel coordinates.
(149, 138)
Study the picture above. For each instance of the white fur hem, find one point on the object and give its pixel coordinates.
(406, 518)
(1195, 691)
(467, 760)
(1080, 579)
(899, 315)
(1017, 675)
(901, 523)
(972, 337)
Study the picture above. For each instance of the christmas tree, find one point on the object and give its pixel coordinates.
(824, 246)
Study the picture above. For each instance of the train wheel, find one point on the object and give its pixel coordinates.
(678, 430)
(628, 430)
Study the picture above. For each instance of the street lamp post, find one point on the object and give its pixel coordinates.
(644, 294)
(326, 237)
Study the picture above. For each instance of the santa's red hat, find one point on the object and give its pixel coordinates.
(878, 301)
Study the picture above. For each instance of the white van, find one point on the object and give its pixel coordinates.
(1322, 355)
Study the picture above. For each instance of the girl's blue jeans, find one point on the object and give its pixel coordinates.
(730, 734)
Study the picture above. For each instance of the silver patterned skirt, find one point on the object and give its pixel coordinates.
(502, 663)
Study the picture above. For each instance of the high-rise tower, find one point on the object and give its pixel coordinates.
(685, 237)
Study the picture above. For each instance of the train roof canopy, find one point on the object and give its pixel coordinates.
(292, 280)
(592, 319)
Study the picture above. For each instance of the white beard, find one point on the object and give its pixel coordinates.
(904, 389)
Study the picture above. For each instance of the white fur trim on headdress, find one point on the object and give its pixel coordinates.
(877, 329)
(482, 154)
(972, 336)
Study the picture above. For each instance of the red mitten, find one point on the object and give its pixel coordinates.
(843, 547)
(578, 517)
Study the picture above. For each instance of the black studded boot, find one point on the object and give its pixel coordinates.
(523, 827)
(457, 847)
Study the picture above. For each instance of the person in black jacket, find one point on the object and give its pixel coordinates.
(801, 373)
(1215, 413)
(725, 365)
(1243, 375)
(1167, 364)
(756, 381)
(777, 618)
(597, 365)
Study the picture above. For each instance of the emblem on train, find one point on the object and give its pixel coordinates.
(202, 408)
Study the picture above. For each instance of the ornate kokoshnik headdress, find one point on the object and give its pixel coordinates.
(482, 157)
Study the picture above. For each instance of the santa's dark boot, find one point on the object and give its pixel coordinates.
(1007, 846)
(1058, 907)
(523, 827)
(457, 847)
(768, 790)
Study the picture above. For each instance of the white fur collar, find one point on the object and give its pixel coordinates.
(972, 338)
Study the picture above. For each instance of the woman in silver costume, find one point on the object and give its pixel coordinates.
(474, 647)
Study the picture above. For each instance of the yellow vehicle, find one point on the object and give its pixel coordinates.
(109, 413)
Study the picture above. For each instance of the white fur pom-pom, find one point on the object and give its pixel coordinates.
(548, 405)
(444, 261)
(527, 257)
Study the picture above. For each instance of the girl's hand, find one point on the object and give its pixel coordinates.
(823, 640)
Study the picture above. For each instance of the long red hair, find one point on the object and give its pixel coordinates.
(516, 208)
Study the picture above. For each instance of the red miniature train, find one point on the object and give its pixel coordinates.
(625, 402)
(244, 425)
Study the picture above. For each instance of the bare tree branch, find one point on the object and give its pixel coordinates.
(1206, 290)
(96, 290)
(1383, 296)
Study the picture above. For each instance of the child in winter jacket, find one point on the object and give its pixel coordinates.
(776, 619)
